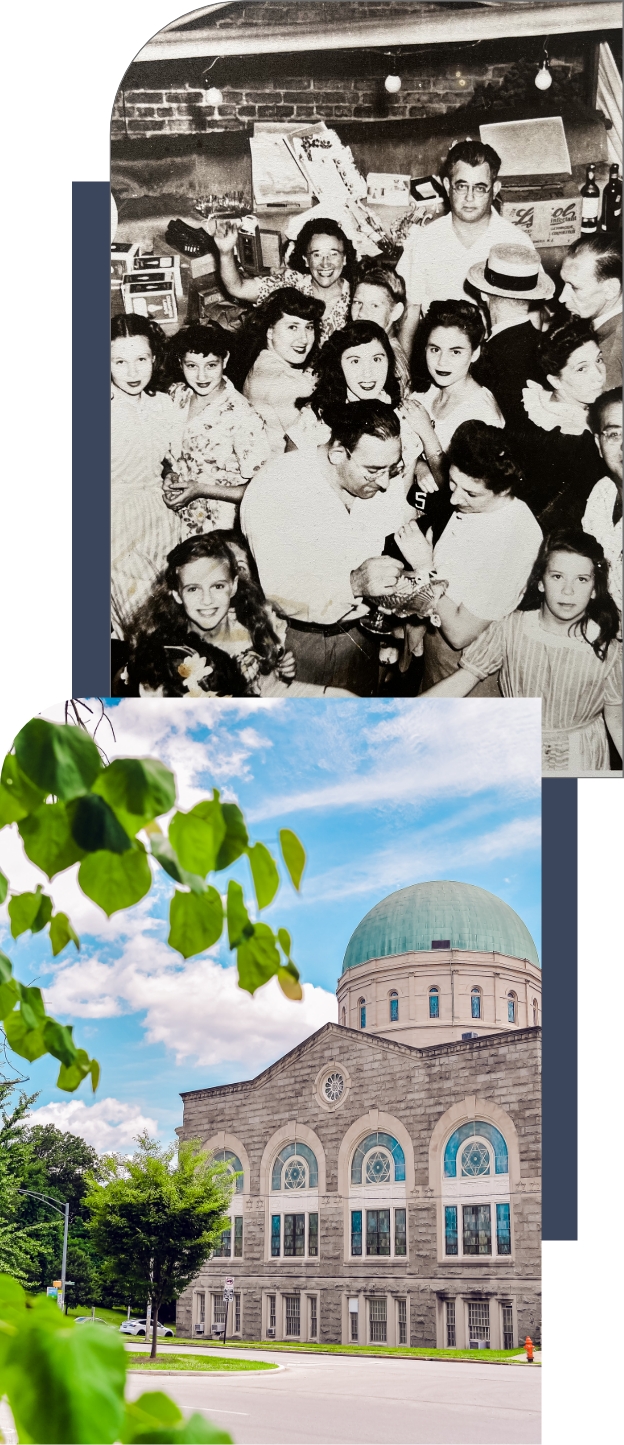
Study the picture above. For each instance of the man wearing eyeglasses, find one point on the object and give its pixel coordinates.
(316, 523)
(436, 258)
(603, 513)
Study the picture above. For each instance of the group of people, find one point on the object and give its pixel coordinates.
(390, 479)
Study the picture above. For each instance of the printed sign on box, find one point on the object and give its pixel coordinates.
(548, 223)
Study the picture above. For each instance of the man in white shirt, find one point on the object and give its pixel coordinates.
(592, 277)
(316, 523)
(437, 257)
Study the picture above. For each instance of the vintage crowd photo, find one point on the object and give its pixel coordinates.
(366, 360)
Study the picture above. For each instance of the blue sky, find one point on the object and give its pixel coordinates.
(382, 793)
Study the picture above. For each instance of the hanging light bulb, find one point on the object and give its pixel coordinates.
(215, 97)
(392, 84)
(543, 79)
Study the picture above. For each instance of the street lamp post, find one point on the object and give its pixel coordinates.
(55, 1204)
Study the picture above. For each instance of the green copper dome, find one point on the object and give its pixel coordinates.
(457, 914)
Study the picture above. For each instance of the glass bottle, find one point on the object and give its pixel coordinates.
(590, 207)
(611, 217)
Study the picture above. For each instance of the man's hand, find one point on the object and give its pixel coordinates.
(287, 667)
(416, 549)
(376, 576)
(224, 233)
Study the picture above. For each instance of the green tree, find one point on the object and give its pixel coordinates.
(157, 1218)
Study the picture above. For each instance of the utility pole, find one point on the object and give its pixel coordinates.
(55, 1204)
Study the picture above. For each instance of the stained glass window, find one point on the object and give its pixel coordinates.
(471, 1131)
(226, 1156)
(224, 1248)
(503, 1229)
(295, 1174)
(394, 1008)
(400, 1237)
(475, 1003)
(362, 1007)
(294, 1234)
(475, 1159)
(511, 1008)
(313, 1234)
(302, 1153)
(275, 1235)
(356, 1231)
(450, 1229)
(378, 1231)
(434, 1004)
(333, 1088)
(238, 1237)
(373, 1141)
(477, 1229)
(377, 1167)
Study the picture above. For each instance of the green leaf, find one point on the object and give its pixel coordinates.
(62, 933)
(32, 1007)
(59, 1042)
(9, 995)
(137, 789)
(4, 887)
(151, 1409)
(71, 1075)
(264, 872)
(293, 853)
(239, 923)
(195, 1431)
(288, 980)
(285, 941)
(28, 1043)
(95, 827)
(236, 836)
(47, 838)
(58, 758)
(164, 854)
(115, 880)
(29, 910)
(196, 921)
(18, 797)
(197, 837)
(6, 968)
(257, 958)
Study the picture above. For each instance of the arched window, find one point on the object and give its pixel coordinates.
(362, 1008)
(535, 1014)
(434, 1003)
(226, 1156)
(475, 1003)
(474, 1130)
(512, 1008)
(378, 1158)
(476, 1211)
(394, 1007)
(295, 1168)
(343, 1017)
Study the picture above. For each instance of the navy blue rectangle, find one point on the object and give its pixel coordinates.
(91, 439)
(560, 1011)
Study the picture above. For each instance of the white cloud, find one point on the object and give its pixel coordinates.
(107, 1125)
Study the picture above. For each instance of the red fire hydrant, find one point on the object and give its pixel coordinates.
(528, 1345)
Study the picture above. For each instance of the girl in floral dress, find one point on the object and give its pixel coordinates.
(217, 439)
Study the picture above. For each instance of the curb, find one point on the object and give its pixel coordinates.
(171, 1373)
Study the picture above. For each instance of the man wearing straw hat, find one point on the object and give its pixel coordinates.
(510, 279)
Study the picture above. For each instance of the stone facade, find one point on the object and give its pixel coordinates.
(417, 1098)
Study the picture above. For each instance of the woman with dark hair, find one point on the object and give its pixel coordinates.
(217, 440)
(279, 346)
(451, 336)
(485, 552)
(207, 629)
(321, 263)
(561, 645)
(554, 446)
(142, 529)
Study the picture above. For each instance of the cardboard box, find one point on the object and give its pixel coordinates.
(554, 221)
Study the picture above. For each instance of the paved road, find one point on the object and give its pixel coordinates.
(345, 1400)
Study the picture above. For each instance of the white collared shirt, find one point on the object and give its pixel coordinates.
(435, 264)
(486, 558)
(599, 321)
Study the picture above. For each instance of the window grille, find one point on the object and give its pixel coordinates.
(511, 1008)
(237, 1314)
(378, 1231)
(294, 1234)
(475, 1003)
(313, 1234)
(477, 1229)
(508, 1331)
(218, 1309)
(224, 1248)
(293, 1314)
(313, 1317)
(275, 1235)
(354, 1326)
(450, 1229)
(402, 1321)
(434, 1004)
(201, 1309)
(378, 1321)
(400, 1235)
(479, 1319)
(356, 1231)
(451, 1337)
(362, 1007)
(271, 1311)
(238, 1237)
(503, 1229)
(394, 1008)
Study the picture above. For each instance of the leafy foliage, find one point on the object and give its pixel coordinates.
(70, 807)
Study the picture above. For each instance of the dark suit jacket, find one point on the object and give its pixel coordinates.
(609, 338)
(507, 361)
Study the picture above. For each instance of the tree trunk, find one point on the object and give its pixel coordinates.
(154, 1329)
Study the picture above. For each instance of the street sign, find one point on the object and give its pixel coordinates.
(228, 1290)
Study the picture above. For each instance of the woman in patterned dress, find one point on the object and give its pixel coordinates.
(321, 264)
(561, 645)
(217, 440)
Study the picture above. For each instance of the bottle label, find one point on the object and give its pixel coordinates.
(591, 207)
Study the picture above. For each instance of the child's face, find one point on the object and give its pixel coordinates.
(373, 303)
(567, 585)
(365, 369)
(449, 355)
(203, 374)
(292, 337)
(132, 364)
(206, 589)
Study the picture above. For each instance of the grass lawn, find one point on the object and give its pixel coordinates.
(483, 1357)
(194, 1362)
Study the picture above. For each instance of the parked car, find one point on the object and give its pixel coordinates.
(92, 1320)
(137, 1327)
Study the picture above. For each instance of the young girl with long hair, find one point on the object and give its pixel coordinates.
(143, 530)
(277, 349)
(561, 645)
(217, 441)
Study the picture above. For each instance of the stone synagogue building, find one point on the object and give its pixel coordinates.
(388, 1168)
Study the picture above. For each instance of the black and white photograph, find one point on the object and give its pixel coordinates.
(366, 359)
